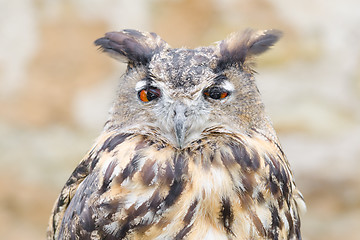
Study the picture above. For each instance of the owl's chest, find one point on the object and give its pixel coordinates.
(210, 193)
(200, 196)
(213, 203)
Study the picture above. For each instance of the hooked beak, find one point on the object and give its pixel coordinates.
(180, 120)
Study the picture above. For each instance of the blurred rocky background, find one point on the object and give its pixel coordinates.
(56, 89)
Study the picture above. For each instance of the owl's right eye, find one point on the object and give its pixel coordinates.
(148, 94)
(216, 93)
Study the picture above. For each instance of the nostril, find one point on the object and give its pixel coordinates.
(188, 113)
(180, 110)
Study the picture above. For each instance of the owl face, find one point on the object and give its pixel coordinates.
(182, 94)
(183, 90)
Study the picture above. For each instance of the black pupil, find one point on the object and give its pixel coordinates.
(152, 93)
(215, 92)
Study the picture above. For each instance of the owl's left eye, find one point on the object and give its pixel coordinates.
(216, 93)
(148, 94)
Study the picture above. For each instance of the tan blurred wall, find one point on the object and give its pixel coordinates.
(56, 88)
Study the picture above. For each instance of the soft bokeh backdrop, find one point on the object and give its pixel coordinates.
(56, 88)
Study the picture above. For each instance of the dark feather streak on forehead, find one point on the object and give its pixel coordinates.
(149, 78)
(181, 68)
(220, 78)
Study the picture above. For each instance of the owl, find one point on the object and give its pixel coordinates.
(187, 152)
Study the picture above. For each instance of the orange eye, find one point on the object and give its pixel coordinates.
(143, 95)
(149, 94)
(216, 93)
(223, 95)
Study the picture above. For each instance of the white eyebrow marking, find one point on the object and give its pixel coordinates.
(228, 86)
(140, 85)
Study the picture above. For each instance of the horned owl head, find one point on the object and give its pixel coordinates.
(180, 94)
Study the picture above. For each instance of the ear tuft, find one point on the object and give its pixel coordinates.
(240, 46)
(131, 46)
(263, 41)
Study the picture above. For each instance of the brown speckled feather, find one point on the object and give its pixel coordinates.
(135, 187)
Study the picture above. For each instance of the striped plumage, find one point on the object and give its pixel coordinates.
(224, 182)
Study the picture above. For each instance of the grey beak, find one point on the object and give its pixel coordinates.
(180, 123)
